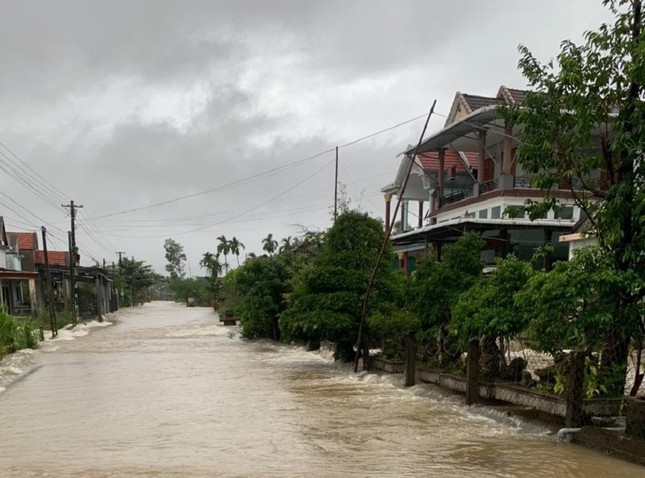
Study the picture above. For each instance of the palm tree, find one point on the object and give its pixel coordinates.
(211, 263)
(224, 247)
(269, 244)
(235, 246)
(287, 245)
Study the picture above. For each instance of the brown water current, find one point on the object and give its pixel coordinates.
(168, 392)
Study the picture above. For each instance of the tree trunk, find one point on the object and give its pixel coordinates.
(613, 365)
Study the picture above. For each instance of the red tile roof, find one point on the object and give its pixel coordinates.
(56, 258)
(518, 95)
(27, 241)
(475, 102)
(430, 160)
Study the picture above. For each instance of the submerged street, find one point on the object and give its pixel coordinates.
(168, 392)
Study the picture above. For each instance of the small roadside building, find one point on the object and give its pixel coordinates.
(17, 286)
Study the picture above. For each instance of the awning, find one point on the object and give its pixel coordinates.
(451, 230)
(17, 275)
(463, 135)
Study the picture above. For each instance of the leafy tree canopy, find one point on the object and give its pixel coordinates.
(327, 300)
(175, 257)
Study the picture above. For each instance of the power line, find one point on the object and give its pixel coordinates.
(261, 175)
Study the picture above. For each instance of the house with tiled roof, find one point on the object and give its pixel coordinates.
(465, 177)
(25, 244)
(17, 286)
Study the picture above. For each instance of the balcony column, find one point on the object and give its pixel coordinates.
(506, 177)
(388, 204)
(440, 176)
(507, 158)
(481, 159)
(32, 297)
(420, 222)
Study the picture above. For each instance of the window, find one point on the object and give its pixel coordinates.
(565, 212)
(515, 212)
(495, 212)
(483, 214)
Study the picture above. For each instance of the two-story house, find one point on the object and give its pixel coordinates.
(17, 286)
(466, 178)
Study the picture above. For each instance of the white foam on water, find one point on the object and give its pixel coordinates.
(201, 330)
(16, 365)
(70, 332)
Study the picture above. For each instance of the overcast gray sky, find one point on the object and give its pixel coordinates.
(121, 105)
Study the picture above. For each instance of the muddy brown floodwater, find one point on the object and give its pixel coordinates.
(168, 392)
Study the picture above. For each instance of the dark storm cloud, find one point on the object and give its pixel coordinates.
(124, 104)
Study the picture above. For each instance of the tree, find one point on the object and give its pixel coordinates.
(287, 245)
(235, 245)
(261, 284)
(436, 286)
(224, 247)
(211, 263)
(488, 310)
(175, 257)
(586, 113)
(328, 295)
(269, 245)
(136, 277)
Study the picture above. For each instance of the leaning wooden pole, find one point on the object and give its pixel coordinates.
(388, 232)
(50, 286)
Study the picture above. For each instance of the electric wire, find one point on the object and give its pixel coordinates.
(263, 174)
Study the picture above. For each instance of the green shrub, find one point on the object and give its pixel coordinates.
(15, 336)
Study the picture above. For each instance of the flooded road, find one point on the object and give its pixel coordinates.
(168, 392)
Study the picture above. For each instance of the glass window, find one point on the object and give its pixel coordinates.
(495, 212)
(483, 214)
(565, 212)
(515, 212)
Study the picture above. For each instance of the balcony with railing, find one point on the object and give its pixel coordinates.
(517, 186)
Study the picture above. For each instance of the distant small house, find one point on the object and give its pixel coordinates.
(17, 285)
(25, 244)
(582, 236)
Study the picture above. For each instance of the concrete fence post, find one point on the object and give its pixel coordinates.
(410, 359)
(574, 392)
(473, 371)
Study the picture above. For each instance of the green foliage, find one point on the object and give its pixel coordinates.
(261, 283)
(269, 245)
(175, 257)
(585, 115)
(328, 296)
(198, 287)
(436, 286)
(133, 279)
(211, 263)
(236, 246)
(15, 335)
(569, 305)
(488, 308)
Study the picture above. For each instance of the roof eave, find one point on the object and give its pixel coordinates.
(473, 122)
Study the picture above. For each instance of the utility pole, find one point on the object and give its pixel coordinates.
(50, 287)
(120, 253)
(72, 207)
(73, 256)
(336, 187)
(120, 292)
